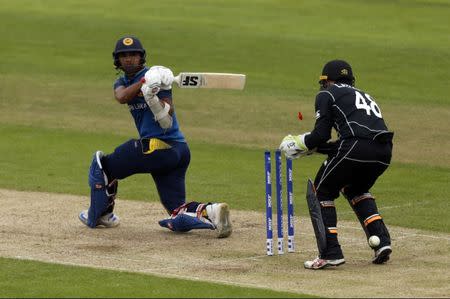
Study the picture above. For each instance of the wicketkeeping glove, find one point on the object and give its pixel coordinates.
(294, 146)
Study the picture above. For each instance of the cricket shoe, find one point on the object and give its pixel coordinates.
(108, 220)
(219, 214)
(382, 255)
(319, 263)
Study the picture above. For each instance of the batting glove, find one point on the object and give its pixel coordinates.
(165, 76)
(151, 83)
(294, 146)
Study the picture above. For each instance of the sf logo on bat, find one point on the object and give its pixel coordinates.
(190, 80)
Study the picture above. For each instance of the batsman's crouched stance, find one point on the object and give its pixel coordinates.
(161, 150)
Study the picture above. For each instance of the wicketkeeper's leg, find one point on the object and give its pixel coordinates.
(366, 210)
(324, 221)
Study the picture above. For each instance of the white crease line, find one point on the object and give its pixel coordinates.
(381, 208)
(422, 235)
(405, 234)
(44, 258)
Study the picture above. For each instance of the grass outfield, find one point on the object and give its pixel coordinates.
(34, 279)
(56, 105)
(237, 177)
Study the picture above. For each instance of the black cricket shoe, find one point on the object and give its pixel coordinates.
(382, 255)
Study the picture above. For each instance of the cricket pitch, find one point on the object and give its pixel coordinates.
(44, 227)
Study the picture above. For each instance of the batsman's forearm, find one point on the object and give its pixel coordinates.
(125, 94)
(160, 110)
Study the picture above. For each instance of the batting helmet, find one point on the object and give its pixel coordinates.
(339, 71)
(128, 44)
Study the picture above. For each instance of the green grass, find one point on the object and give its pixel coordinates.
(60, 160)
(286, 43)
(56, 104)
(33, 279)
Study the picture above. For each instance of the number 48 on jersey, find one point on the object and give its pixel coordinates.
(365, 102)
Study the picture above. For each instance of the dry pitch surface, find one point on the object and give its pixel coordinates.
(44, 227)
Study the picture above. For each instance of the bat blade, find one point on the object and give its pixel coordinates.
(211, 80)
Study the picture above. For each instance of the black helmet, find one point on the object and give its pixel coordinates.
(128, 44)
(339, 71)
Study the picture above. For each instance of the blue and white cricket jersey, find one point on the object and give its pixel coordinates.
(143, 116)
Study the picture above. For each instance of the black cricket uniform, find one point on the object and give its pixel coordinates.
(360, 155)
(364, 147)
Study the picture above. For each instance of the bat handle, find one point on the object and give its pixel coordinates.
(176, 79)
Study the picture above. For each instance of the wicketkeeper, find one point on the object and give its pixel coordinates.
(355, 160)
(161, 150)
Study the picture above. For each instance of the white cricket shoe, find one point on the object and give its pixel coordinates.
(219, 214)
(108, 220)
(319, 263)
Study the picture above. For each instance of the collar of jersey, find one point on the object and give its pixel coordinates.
(138, 74)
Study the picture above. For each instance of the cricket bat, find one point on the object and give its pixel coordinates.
(210, 80)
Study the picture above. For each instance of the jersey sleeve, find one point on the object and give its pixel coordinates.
(119, 82)
(324, 121)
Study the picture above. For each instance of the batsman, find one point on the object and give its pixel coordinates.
(161, 150)
(361, 153)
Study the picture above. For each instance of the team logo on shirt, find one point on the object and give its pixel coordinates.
(317, 114)
(128, 41)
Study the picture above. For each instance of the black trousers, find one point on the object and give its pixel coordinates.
(354, 164)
